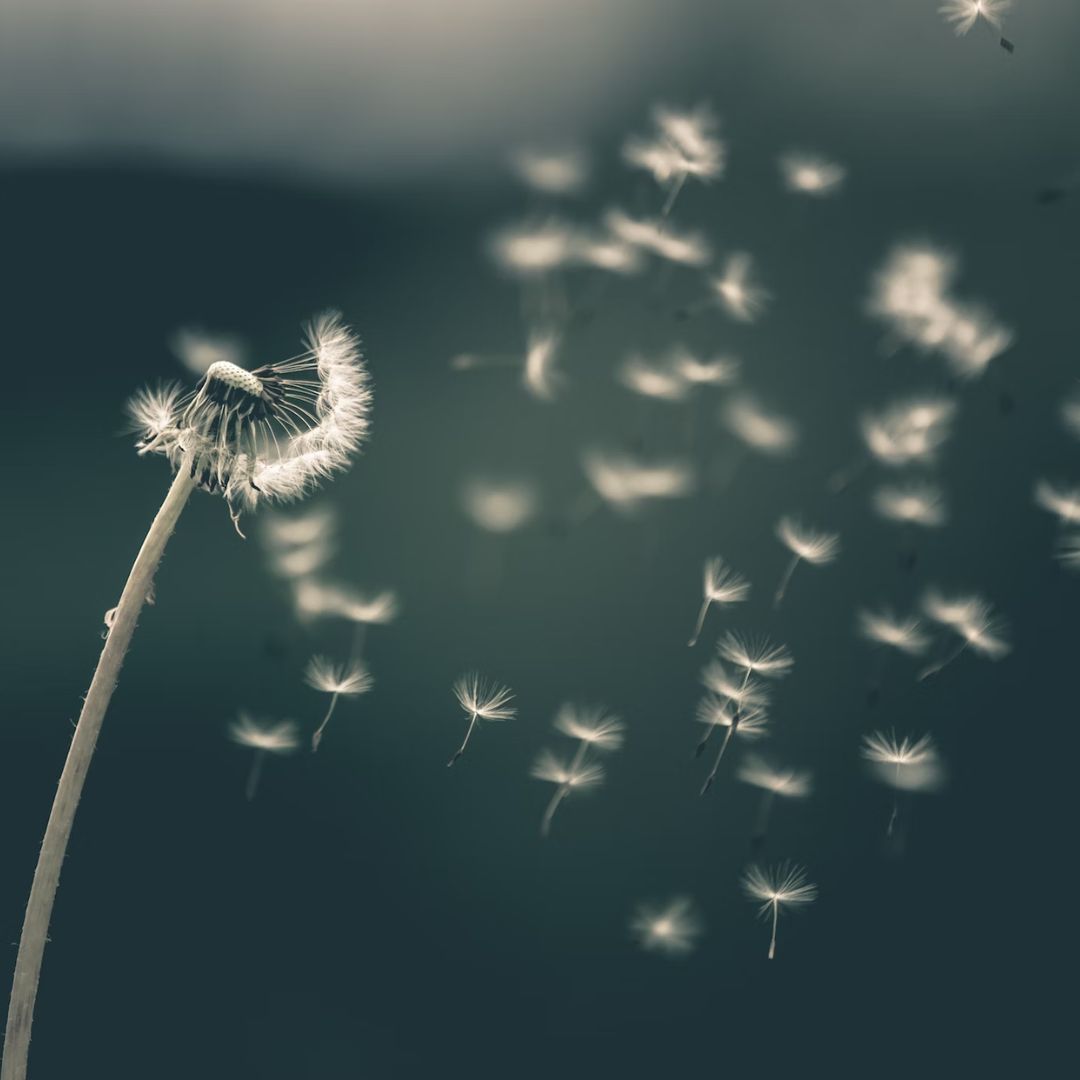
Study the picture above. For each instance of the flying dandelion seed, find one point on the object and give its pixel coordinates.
(609, 253)
(884, 627)
(756, 655)
(541, 378)
(660, 381)
(659, 238)
(746, 722)
(297, 530)
(720, 371)
(301, 562)
(551, 172)
(625, 482)
(806, 545)
(532, 249)
(913, 503)
(906, 764)
(773, 782)
(811, 174)
(338, 680)
(199, 351)
(964, 14)
(671, 928)
(569, 778)
(1062, 502)
(744, 693)
(759, 430)
(721, 585)
(737, 291)
(267, 435)
(481, 700)
(500, 506)
(776, 887)
(972, 619)
(264, 737)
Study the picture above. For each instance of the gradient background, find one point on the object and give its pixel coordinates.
(373, 914)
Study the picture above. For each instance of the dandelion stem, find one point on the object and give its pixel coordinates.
(700, 623)
(673, 194)
(719, 757)
(58, 831)
(468, 735)
(781, 589)
(775, 920)
(563, 789)
(316, 738)
(933, 669)
(252, 784)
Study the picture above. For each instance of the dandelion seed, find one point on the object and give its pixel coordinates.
(757, 655)
(265, 435)
(972, 620)
(264, 737)
(199, 351)
(658, 238)
(532, 249)
(337, 680)
(767, 433)
(743, 692)
(551, 172)
(481, 700)
(314, 599)
(884, 627)
(721, 371)
(500, 506)
(964, 14)
(569, 777)
(301, 562)
(604, 252)
(660, 381)
(906, 764)
(541, 378)
(737, 291)
(593, 726)
(908, 432)
(312, 527)
(806, 545)
(1068, 552)
(776, 887)
(721, 585)
(913, 503)
(744, 721)
(671, 928)
(1062, 502)
(773, 782)
(811, 174)
(625, 483)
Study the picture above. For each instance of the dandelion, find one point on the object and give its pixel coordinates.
(811, 174)
(337, 680)
(198, 351)
(737, 291)
(481, 700)
(906, 764)
(805, 545)
(551, 172)
(625, 482)
(671, 928)
(658, 238)
(1062, 502)
(776, 887)
(972, 619)
(737, 720)
(911, 504)
(267, 435)
(264, 737)
(500, 506)
(721, 585)
(773, 782)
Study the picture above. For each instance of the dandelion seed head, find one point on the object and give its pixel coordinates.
(275, 737)
(549, 767)
(591, 724)
(739, 294)
(500, 506)
(271, 434)
(907, 764)
(810, 545)
(912, 503)
(755, 654)
(671, 928)
(884, 627)
(785, 885)
(811, 174)
(768, 433)
(347, 679)
(488, 700)
(788, 783)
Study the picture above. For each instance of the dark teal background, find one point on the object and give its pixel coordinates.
(374, 914)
